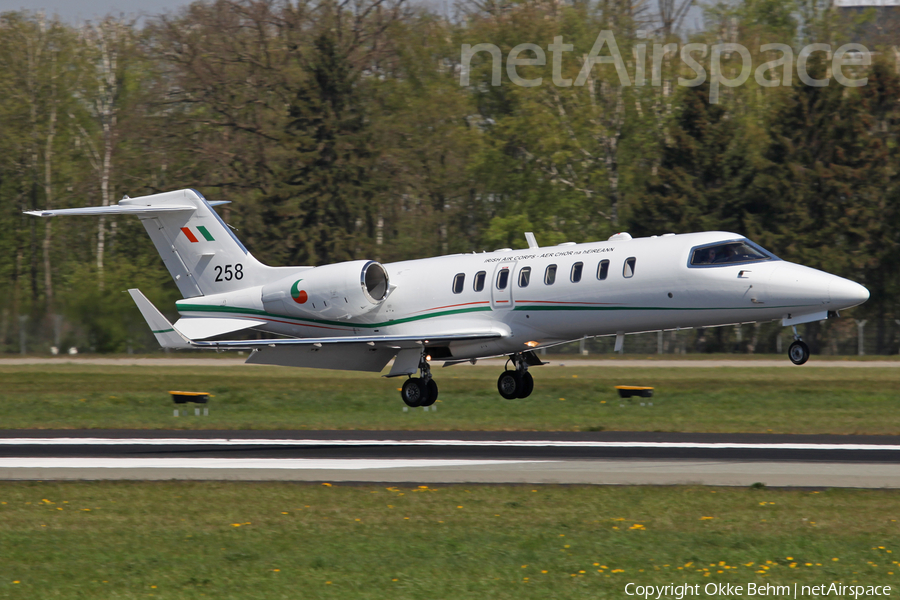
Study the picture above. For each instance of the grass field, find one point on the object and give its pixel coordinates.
(274, 540)
(723, 399)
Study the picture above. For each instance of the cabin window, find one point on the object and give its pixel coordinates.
(550, 275)
(729, 253)
(524, 276)
(502, 279)
(628, 269)
(458, 282)
(576, 272)
(603, 269)
(479, 281)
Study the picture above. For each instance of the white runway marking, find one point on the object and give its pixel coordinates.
(463, 443)
(241, 463)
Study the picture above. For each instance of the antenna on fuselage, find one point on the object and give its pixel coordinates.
(532, 243)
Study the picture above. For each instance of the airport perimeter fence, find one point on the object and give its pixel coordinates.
(837, 337)
(841, 337)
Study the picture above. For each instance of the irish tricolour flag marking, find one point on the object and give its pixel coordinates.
(203, 232)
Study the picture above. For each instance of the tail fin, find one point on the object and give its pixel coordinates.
(198, 248)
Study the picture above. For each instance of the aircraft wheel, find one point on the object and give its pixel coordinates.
(413, 392)
(509, 384)
(431, 396)
(798, 352)
(527, 385)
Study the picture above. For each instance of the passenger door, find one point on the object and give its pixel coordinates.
(501, 297)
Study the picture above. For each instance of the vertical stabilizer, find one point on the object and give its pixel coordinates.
(200, 251)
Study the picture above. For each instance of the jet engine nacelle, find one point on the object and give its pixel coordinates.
(339, 291)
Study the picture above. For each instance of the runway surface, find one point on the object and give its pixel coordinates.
(192, 360)
(611, 458)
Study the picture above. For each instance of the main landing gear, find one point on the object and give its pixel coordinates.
(513, 383)
(420, 391)
(517, 382)
(799, 351)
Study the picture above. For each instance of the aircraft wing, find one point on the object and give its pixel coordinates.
(355, 352)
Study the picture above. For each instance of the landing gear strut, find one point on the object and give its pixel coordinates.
(799, 351)
(518, 382)
(420, 391)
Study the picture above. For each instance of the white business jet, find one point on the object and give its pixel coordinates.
(358, 315)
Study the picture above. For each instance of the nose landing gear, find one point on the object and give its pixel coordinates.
(799, 351)
(420, 391)
(518, 382)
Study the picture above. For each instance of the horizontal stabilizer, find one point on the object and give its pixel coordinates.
(165, 333)
(115, 209)
(200, 328)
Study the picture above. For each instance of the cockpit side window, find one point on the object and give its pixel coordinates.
(728, 253)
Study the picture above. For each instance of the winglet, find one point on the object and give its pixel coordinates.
(166, 334)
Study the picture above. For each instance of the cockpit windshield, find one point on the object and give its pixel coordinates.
(728, 253)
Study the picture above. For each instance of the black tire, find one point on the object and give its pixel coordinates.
(413, 392)
(527, 385)
(798, 352)
(431, 396)
(509, 384)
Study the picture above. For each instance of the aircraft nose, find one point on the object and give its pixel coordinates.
(846, 293)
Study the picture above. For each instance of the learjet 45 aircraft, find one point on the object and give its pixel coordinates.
(358, 315)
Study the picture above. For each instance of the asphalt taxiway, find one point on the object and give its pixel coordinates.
(601, 458)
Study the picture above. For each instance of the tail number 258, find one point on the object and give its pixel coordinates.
(227, 273)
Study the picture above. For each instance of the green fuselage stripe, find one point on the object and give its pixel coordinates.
(537, 308)
(183, 308)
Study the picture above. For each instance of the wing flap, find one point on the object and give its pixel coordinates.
(344, 357)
